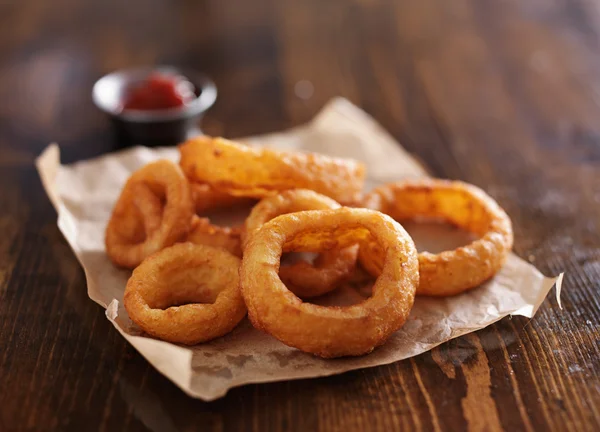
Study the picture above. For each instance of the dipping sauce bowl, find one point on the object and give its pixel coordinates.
(144, 112)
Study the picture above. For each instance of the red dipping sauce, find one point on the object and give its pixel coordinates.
(159, 92)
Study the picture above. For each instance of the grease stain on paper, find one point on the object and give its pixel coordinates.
(214, 371)
(239, 360)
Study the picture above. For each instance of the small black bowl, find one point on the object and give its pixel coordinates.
(158, 127)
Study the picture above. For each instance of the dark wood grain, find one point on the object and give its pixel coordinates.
(503, 94)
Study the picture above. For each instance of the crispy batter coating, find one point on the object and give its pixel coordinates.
(461, 204)
(321, 330)
(205, 233)
(186, 294)
(329, 269)
(207, 198)
(154, 211)
(245, 171)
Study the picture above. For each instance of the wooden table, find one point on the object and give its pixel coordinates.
(503, 94)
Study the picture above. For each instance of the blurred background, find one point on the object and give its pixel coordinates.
(458, 72)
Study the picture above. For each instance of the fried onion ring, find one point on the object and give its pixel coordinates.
(302, 278)
(207, 198)
(245, 171)
(186, 294)
(154, 211)
(205, 233)
(321, 330)
(461, 204)
(149, 206)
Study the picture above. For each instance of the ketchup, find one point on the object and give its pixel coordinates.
(158, 92)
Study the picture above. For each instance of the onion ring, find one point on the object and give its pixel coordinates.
(158, 294)
(461, 204)
(207, 198)
(141, 223)
(245, 171)
(205, 233)
(149, 206)
(329, 269)
(320, 330)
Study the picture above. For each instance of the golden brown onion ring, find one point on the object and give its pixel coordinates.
(207, 198)
(205, 233)
(302, 278)
(329, 331)
(245, 171)
(154, 211)
(149, 206)
(461, 204)
(186, 294)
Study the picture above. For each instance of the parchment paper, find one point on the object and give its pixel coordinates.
(85, 192)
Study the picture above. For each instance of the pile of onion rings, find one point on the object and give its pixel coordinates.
(195, 280)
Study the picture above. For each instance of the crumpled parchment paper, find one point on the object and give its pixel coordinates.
(85, 192)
